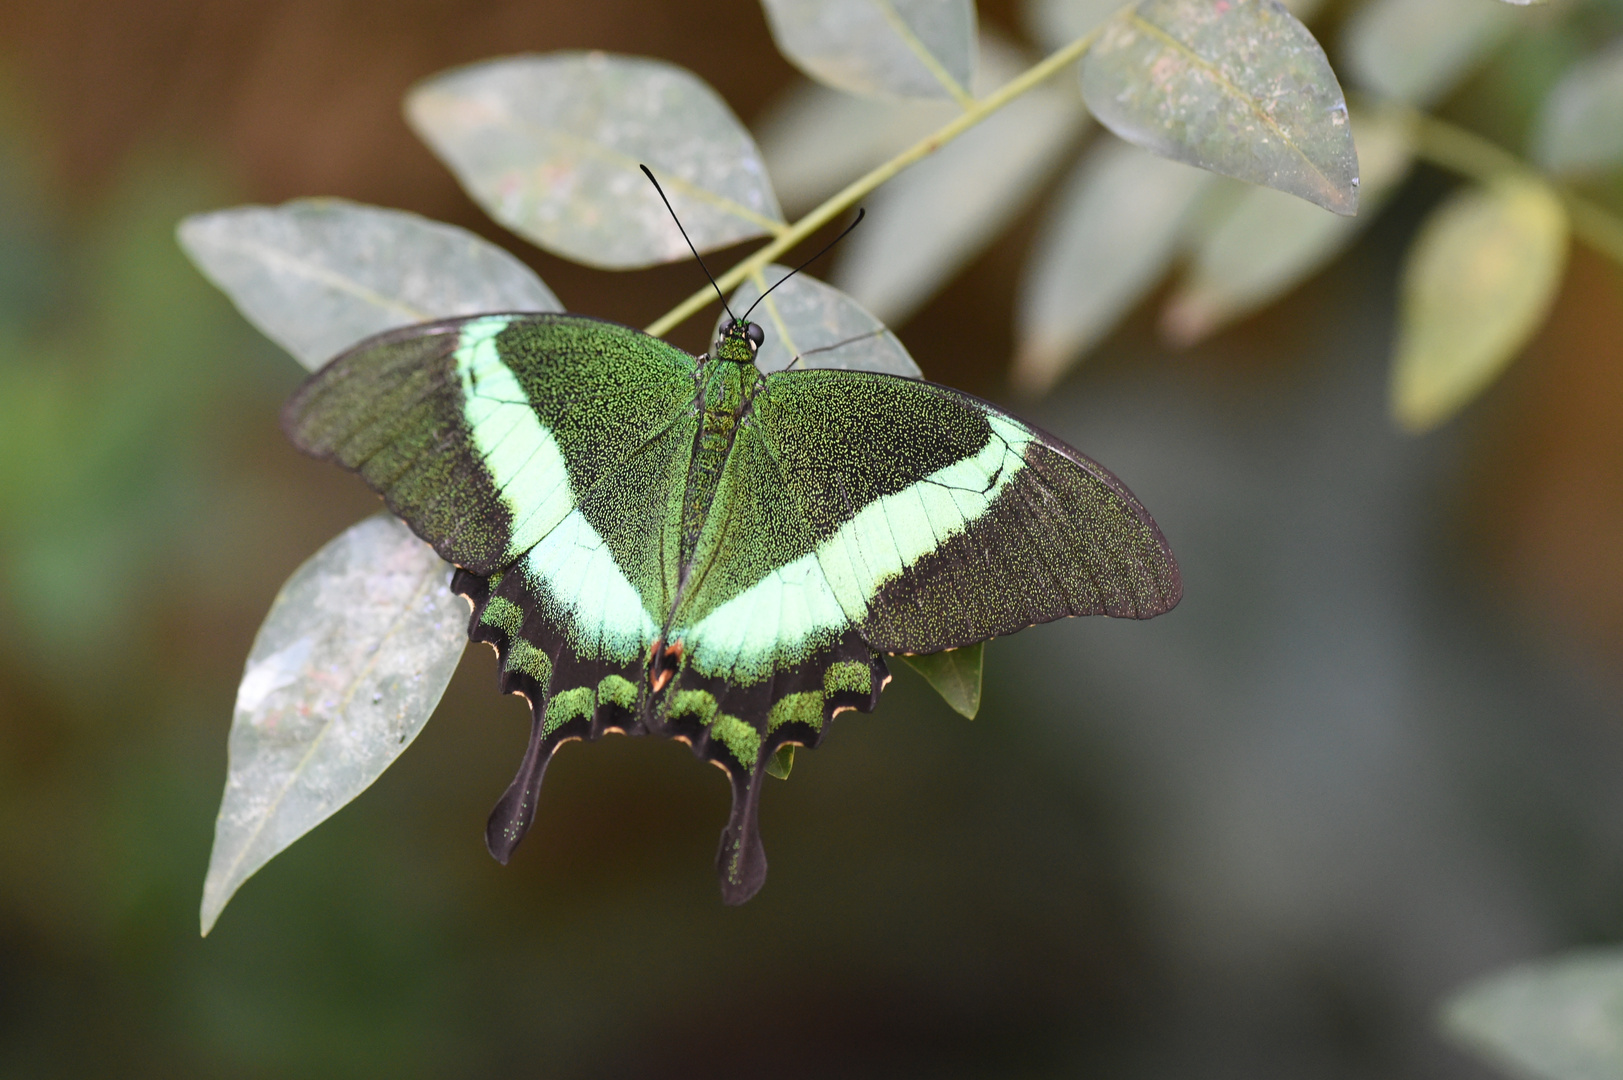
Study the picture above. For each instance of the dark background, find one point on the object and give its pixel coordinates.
(1375, 753)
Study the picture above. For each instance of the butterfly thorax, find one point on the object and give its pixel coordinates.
(725, 390)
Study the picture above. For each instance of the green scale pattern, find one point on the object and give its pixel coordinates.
(675, 545)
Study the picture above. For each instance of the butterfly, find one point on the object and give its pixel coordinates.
(658, 543)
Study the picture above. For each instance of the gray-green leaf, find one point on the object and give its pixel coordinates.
(1110, 235)
(926, 224)
(1268, 241)
(1418, 52)
(1558, 1019)
(1056, 23)
(346, 669)
(818, 324)
(1479, 281)
(318, 275)
(1240, 88)
(880, 48)
(1580, 128)
(955, 674)
(550, 146)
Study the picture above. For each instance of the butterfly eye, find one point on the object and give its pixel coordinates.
(756, 335)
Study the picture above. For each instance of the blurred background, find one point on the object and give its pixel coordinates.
(1375, 753)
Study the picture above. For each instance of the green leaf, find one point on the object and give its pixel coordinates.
(880, 48)
(1418, 52)
(1268, 242)
(346, 669)
(550, 146)
(955, 674)
(1558, 1019)
(1109, 237)
(816, 140)
(317, 275)
(781, 762)
(1240, 88)
(804, 314)
(1580, 128)
(1480, 279)
(929, 222)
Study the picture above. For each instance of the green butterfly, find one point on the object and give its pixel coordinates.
(657, 543)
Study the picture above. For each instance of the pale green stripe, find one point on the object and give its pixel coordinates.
(823, 591)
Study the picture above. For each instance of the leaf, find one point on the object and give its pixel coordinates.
(1558, 1019)
(1108, 238)
(955, 674)
(550, 146)
(930, 221)
(1054, 24)
(1418, 52)
(317, 275)
(781, 762)
(1268, 242)
(1580, 128)
(880, 48)
(343, 674)
(1235, 86)
(804, 314)
(816, 140)
(1480, 278)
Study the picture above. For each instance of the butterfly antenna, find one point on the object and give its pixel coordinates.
(845, 232)
(691, 248)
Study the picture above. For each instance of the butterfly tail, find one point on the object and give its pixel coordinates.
(741, 858)
(515, 810)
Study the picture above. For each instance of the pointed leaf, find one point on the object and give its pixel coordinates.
(1418, 52)
(1109, 237)
(1559, 1019)
(817, 140)
(1268, 242)
(346, 669)
(1239, 87)
(955, 674)
(880, 48)
(930, 221)
(782, 762)
(1480, 279)
(803, 315)
(550, 146)
(1580, 128)
(317, 275)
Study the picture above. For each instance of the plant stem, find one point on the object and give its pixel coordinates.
(855, 190)
(1465, 152)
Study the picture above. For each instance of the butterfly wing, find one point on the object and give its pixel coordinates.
(861, 514)
(545, 456)
(939, 520)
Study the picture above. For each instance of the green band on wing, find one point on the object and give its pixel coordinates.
(524, 461)
(573, 569)
(805, 604)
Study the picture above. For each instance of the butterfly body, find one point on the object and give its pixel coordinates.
(684, 546)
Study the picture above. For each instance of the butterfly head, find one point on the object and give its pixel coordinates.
(739, 342)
